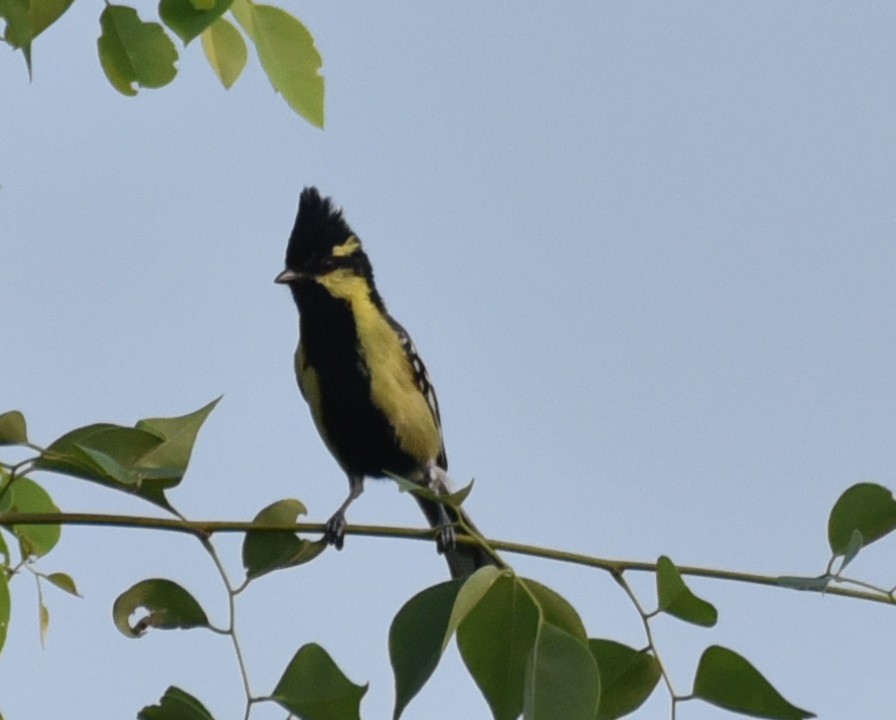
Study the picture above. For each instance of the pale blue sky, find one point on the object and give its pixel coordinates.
(647, 251)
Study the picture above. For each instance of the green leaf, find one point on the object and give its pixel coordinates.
(168, 605)
(457, 498)
(416, 639)
(556, 610)
(175, 705)
(19, 28)
(144, 460)
(4, 552)
(676, 599)
(133, 52)
(45, 12)
(562, 681)
(288, 55)
(26, 496)
(12, 428)
(187, 19)
(314, 688)
(866, 507)
(474, 588)
(64, 582)
(495, 640)
(225, 51)
(852, 549)
(729, 681)
(5, 609)
(264, 552)
(627, 677)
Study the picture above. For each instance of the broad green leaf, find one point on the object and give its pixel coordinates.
(627, 677)
(225, 51)
(5, 608)
(556, 610)
(416, 639)
(12, 426)
(314, 688)
(168, 606)
(562, 680)
(288, 55)
(495, 640)
(169, 460)
(64, 582)
(19, 27)
(729, 681)
(187, 19)
(676, 599)
(133, 52)
(264, 552)
(26, 496)
(45, 12)
(474, 588)
(175, 705)
(866, 507)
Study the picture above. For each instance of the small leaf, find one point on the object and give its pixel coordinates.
(676, 599)
(795, 582)
(133, 52)
(314, 688)
(264, 552)
(187, 19)
(5, 608)
(225, 51)
(26, 496)
(44, 615)
(457, 498)
(12, 428)
(64, 582)
(556, 610)
(175, 705)
(169, 460)
(852, 549)
(729, 681)
(562, 680)
(288, 55)
(495, 640)
(416, 639)
(866, 507)
(169, 606)
(627, 677)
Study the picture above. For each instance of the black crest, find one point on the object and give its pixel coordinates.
(319, 227)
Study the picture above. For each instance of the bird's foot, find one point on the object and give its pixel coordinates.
(446, 537)
(335, 531)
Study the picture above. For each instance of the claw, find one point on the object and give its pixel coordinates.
(335, 532)
(446, 538)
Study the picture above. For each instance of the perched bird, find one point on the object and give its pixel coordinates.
(367, 388)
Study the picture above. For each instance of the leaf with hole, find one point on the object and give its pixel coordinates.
(168, 606)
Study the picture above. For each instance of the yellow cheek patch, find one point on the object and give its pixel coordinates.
(349, 247)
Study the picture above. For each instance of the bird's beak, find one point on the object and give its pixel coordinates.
(287, 276)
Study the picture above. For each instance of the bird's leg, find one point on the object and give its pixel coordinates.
(335, 532)
(436, 480)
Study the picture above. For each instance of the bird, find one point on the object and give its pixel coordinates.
(367, 388)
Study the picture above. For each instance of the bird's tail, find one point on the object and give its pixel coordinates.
(463, 559)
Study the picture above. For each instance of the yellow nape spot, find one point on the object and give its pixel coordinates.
(347, 248)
